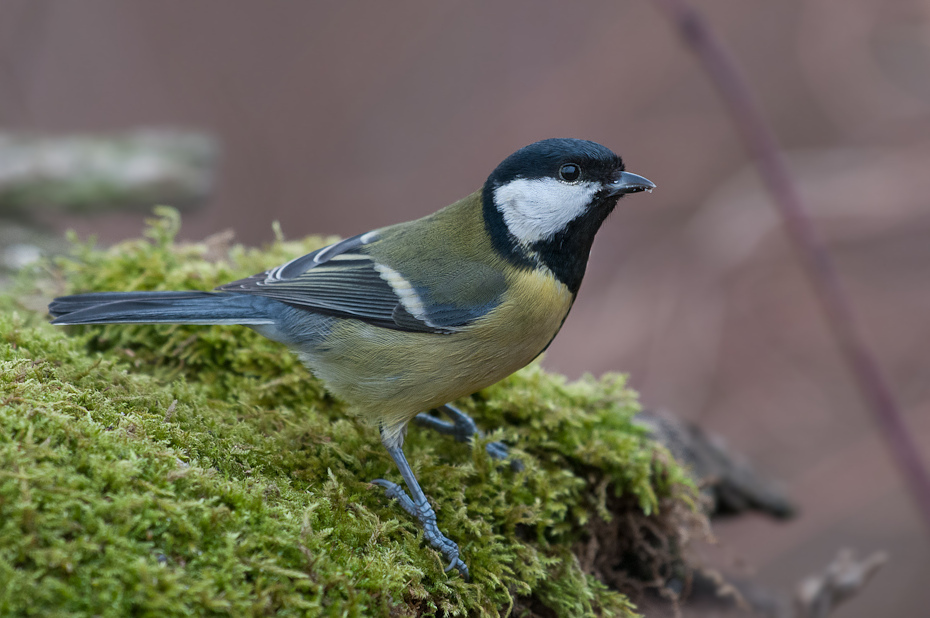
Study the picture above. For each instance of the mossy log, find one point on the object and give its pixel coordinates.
(177, 470)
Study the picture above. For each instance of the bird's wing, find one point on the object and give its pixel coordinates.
(344, 280)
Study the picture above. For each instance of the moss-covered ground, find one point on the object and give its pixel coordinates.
(179, 470)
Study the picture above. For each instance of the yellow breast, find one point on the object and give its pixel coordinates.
(389, 376)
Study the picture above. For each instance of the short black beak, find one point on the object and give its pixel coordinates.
(629, 183)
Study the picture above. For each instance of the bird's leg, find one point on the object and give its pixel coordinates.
(417, 505)
(462, 429)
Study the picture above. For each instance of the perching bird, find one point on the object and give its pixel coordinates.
(410, 317)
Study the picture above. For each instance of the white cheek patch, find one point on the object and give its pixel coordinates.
(537, 209)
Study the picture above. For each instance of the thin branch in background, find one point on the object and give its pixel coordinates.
(760, 141)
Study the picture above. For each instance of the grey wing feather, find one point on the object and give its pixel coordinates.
(342, 281)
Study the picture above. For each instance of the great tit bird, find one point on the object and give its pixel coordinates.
(407, 318)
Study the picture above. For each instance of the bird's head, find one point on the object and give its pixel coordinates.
(547, 201)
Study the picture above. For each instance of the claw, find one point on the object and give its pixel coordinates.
(497, 450)
(396, 492)
(500, 451)
(427, 518)
(463, 429)
(461, 567)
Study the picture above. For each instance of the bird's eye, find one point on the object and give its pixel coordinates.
(569, 172)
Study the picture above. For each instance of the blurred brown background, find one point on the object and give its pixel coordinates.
(340, 117)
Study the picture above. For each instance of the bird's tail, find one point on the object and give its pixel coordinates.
(161, 307)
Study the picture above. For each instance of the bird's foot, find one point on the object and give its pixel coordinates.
(427, 518)
(463, 429)
(497, 450)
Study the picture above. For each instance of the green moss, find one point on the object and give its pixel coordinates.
(175, 470)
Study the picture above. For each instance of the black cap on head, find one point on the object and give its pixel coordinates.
(565, 250)
(544, 158)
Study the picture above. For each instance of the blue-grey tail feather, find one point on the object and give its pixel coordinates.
(162, 307)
